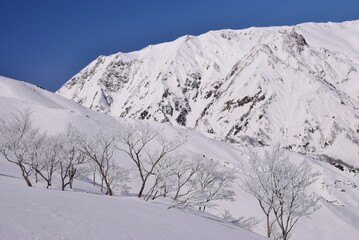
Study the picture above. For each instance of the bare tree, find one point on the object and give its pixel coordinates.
(137, 141)
(161, 185)
(257, 185)
(210, 182)
(71, 157)
(184, 170)
(100, 150)
(118, 177)
(214, 182)
(17, 140)
(50, 157)
(280, 188)
(36, 152)
(173, 175)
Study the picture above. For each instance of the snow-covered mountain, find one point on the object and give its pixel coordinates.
(78, 214)
(295, 84)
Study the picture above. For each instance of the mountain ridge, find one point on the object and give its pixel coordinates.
(297, 85)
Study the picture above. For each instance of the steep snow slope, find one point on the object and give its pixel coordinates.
(49, 212)
(51, 112)
(298, 85)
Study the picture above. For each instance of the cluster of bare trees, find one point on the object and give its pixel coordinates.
(280, 188)
(99, 150)
(189, 180)
(70, 153)
(192, 181)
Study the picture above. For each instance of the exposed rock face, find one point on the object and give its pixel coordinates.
(296, 85)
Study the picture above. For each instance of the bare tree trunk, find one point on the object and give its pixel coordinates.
(108, 186)
(25, 175)
(49, 181)
(63, 177)
(47, 178)
(177, 193)
(72, 176)
(142, 188)
(155, 195)
(165, 191)
(27, 180)
(269, 227)
(285, 235)
(62, 184)
(105, 180)
(149, 194)
(94, 178)
(109, 192)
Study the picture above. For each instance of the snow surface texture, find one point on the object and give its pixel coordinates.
(296, 84)
(37, 213)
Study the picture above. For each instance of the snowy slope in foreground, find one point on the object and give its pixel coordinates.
(37, 213)
(337, 219)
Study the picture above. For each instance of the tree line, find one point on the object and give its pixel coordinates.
(189, 180)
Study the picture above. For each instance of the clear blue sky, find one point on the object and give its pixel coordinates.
(46, 42)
